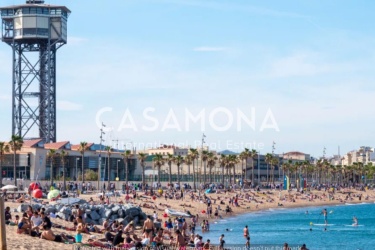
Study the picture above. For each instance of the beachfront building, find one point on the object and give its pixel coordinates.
(363, 155)
(33, 161)
(168, 149)
(296, 156)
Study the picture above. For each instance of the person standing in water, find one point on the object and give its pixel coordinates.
(355, 221)
(324, 212)
(246, 232)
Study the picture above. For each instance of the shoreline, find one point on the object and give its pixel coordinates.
(289, 205)
(267, 199)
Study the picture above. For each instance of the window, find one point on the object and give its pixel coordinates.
(42, 32)
(29, 32)
(25, 10)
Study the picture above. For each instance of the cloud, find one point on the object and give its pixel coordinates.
(5, 97)
(233, 7)
(73, 40)
(68, 106)
(209, 49)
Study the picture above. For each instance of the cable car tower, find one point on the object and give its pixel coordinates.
(34, 31)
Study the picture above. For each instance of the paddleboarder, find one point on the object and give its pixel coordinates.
(324, 212)
(355, 221)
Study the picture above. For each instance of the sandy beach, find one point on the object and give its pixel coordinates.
(248, 201)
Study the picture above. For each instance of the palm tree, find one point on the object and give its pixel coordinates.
(252, 155)
(51, 155)
(274, 162)
(179, 160)
(194, 154)
(158, 162)
(268, 159)
(223, 163)
(233, 160)
(82, 149)
(63, 155)
(188, 162)
(142, 157)
(126, 155)
(204, 156)
(3, 149)
(109, 153)
(244, 156)
(286, 166)
(15, 144)
(211, 162)
(170, 158)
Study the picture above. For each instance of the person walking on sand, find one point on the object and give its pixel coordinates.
(148, 228)
(246, 232)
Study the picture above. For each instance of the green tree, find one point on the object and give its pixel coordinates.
(158, 162)
(51, 154)
(194, 154)
(170, 159)
(211, 162)
(126, 156)
(91, 175)
(244, 156)
(179, 160)
(82, 149)
(188, 162)
(268, 160)
(253, 154)
(63, 155)
(3, 150)
(142, 157)
(223, 163)
(204, 157)
(109, 150)
(15, 144)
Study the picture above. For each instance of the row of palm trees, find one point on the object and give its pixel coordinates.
(322, 171)
(325, 172)
(227, 164)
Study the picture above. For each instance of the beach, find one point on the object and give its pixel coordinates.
(254, 201)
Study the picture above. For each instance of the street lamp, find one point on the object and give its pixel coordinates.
(77, 159)
(258, 168)
(117, 169)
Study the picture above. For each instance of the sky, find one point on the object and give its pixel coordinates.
(243, 73)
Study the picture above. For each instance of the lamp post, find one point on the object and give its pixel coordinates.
(117, 169)
(77, 159)
(258, 168)
(100, 157)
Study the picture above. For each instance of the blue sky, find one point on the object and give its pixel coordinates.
(309, 63)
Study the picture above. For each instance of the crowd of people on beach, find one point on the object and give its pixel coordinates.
(160, 229)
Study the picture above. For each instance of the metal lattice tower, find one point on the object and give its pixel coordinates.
(35, 31)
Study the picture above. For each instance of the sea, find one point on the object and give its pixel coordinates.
(270, 229)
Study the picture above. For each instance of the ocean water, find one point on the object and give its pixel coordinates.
(272, 228)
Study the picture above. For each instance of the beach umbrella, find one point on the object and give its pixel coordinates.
(53, 194)
(8, 187)
(37, 193)
(33, 186)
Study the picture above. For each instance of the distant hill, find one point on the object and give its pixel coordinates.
(228, 152)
